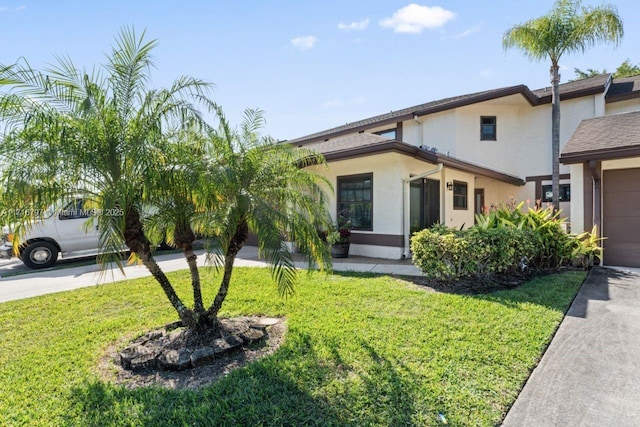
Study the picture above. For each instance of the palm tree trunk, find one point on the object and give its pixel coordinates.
(237, 242)
(184, 237)
(191, 258)
(138, 243)
(555, 135)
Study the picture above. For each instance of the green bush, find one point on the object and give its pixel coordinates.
(476, 252)
(507, 240)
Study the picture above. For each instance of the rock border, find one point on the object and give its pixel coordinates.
(163, 357)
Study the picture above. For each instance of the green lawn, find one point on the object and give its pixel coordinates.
(361, 350)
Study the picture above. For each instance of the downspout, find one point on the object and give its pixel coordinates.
(406, 183)
(594, 167)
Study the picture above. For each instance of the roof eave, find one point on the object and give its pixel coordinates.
(428, 156)
(606, 154)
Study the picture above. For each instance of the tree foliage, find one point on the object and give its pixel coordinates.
(626, 69)
(150, 153)
(567, 28)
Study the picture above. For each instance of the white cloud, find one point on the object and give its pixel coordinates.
(415, 18)
(304, 43)
(354, 26)
(15, 9)
(475, 29)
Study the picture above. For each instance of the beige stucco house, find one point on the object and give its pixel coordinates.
(446, 160)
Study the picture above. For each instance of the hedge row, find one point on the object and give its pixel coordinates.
(507, 241)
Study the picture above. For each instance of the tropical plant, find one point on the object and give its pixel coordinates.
(340, 232)
(265, 188)
(567, 28)
(141, 152)
(102, 134)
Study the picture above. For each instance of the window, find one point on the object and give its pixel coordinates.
(355, 200)
(488, 128)
(388, 133)
(565, 193)
(74, 210)
(459, 195)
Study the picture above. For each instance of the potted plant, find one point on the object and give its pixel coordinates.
(340, 238)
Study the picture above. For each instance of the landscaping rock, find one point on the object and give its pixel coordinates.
(202, 356)
(174, 360)
(234, 341)
(174, 348)
(143, 362)
(263, 322)
(252, 335)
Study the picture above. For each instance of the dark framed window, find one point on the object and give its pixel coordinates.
(565, 193)
(488, 125)
(388, 133)
(355, 200)
(460, 199)
(74, 210)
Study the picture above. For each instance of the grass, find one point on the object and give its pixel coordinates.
(361, 350)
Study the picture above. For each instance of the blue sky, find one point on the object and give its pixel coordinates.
(309, 65)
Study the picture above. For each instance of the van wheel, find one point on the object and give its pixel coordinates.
(39, 255)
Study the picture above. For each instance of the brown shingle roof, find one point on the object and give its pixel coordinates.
(609, 137)
(366, 144)
(623, 89)
(420, 110)
(575, 89)
(597, 84)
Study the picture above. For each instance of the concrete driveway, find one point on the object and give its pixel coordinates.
(33, 282)
(590, 374)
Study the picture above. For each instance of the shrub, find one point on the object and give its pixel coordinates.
(505, 241)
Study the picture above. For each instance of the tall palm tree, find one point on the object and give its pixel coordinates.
(103, 134)
(567, 28)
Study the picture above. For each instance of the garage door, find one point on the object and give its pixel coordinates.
(621, 217)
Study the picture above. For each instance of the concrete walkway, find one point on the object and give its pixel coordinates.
(590, 374)
(25, 285)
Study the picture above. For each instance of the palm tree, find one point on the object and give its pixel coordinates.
(267, 189)
(150, 155)
(567, 28)
(102, 134)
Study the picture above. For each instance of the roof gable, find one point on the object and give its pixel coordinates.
(608, 137)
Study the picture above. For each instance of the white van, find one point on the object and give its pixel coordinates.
(68, 230)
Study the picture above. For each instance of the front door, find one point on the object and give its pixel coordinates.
(425, 204)
(478, 197)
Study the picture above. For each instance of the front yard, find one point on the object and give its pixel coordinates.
(360, 350)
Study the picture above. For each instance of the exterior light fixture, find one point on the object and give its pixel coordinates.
(450, 185)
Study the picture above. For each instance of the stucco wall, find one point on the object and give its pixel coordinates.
(623, 106)
(523, 143)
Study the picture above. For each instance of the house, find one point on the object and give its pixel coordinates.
(446, 160)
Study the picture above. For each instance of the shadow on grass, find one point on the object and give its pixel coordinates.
(288, 388)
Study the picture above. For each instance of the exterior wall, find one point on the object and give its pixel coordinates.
(623, 106)
(577, 211)
(523, 143)
(633, 162)
(457, 218)
(388, 171)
